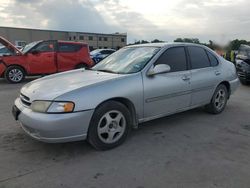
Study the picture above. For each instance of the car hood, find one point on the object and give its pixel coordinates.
(9, 45)
(51, 87)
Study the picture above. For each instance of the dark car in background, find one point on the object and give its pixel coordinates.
(243, 64)
(99, 54)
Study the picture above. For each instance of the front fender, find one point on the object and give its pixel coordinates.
(128, 87)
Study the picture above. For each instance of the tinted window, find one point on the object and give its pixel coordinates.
(47, 46)
(107, 52)
(63, 47)
(213, 59)
(198, 57)
(175, 58)
(81, 37)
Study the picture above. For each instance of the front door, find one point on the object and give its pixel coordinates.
(169, 92)
(42, 58)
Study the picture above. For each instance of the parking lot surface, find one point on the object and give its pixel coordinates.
(190, 149)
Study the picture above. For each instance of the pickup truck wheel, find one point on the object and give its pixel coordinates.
(14, 74)
(109, 125)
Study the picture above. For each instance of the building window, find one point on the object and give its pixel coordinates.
(81, 37)
(105, 47)
(20, 43)
(69, 38)
(105, 38)
(100, 47)
(122, 39)
(100, 38)
(90, 37)
(74, 37)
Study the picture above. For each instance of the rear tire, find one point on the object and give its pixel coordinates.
(14, 74)
(219, 100)
(109, 126)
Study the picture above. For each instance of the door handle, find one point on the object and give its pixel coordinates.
(217, 73)
(185, 77)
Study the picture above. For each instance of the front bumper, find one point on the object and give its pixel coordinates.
(244, 75)
(53, 128)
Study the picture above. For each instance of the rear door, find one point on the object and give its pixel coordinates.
(169, 92)
(205, 74)
(41, 59)
(67, 56)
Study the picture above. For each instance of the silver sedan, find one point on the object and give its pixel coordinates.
(135, 84)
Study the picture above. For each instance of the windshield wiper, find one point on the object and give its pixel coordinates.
(109, 71)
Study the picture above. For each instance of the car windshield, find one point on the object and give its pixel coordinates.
(95, 52)
(29, 46)
(127, 60)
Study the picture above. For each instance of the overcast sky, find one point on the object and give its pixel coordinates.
(218, 20)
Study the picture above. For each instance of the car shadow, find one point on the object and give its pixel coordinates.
(22, 143)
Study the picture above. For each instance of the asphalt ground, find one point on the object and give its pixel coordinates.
(190, 149)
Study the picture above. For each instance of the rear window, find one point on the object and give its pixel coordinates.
(213, 60)
(198, 57)
(64, 47)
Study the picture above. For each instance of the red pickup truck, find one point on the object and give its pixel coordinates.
(42, 58)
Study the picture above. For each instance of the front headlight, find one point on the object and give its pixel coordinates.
(61, 107)
(40, 106)
(52, 107)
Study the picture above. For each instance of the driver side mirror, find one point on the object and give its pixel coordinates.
(159, 69)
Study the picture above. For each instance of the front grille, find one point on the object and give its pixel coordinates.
(24, 97)
(25, 100)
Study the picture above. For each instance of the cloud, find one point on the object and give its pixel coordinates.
(165, 20)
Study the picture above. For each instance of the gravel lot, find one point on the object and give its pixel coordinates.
(190, 149)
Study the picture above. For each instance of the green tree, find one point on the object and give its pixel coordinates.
(156, 41)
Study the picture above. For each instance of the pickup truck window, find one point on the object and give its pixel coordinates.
(64, 47)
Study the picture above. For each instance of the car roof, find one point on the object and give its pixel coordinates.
(165, 44)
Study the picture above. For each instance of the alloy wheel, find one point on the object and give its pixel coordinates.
(15, 75)
(220, 99)
(111, 127)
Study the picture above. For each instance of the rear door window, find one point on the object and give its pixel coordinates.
(199, 58)
(213, 60)
(174, 57)
(64, 47)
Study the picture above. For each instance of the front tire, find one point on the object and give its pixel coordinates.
(219, 100)
(14, 74)
(109, 125)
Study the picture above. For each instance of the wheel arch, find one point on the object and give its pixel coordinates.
(227, 84)
(128, 104)
(17, 65)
